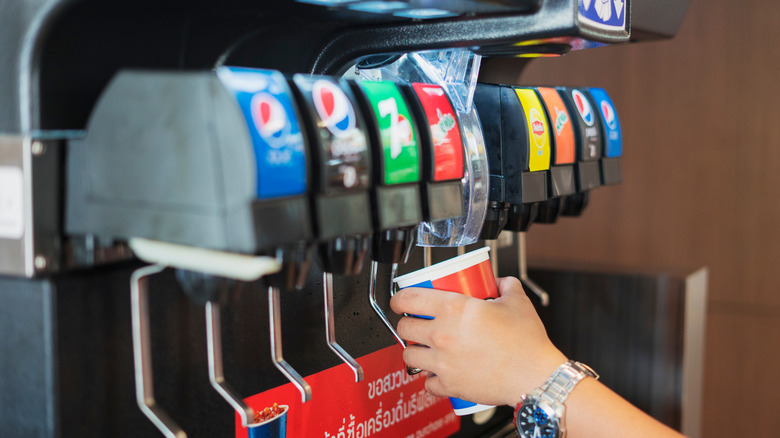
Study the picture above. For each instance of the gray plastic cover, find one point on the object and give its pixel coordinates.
(167, 156)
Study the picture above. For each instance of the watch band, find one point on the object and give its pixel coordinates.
(558, 386)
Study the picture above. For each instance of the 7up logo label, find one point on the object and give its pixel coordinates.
(400, 157)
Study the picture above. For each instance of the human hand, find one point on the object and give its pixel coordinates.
(488, 352)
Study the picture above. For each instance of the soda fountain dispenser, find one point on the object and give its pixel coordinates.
(124, 137)
(283, 187)
(342, 179)
(443, 160)
(396, 199)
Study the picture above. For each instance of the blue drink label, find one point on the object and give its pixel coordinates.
(610, 121)
(265, 101)
(604, 14)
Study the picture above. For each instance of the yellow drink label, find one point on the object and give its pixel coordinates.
(538, 130)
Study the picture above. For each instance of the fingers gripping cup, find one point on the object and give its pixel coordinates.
(469, 274)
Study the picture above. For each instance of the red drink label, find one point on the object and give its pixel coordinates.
(445, 132)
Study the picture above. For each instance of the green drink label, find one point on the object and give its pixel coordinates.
(400, 144)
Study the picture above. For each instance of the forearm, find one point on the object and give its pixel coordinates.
(505, 335)
(593, 411)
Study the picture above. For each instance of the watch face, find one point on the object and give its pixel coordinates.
(535, 422)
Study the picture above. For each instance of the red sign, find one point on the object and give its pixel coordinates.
(445, 132)
(388, 403)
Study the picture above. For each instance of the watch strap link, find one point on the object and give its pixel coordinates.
(558, 386)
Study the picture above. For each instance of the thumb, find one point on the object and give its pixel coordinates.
(509, 287)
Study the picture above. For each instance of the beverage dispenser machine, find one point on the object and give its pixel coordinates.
(159, 159)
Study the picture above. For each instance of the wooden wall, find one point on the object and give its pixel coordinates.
(701, 123)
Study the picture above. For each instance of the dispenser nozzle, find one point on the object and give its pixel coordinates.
(378, 310)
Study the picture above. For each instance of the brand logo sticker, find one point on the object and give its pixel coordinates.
(609, 114)
(561, 119)
(270, 119)
(537, 128)
(605, 14)
(583, 107)
(334, 108)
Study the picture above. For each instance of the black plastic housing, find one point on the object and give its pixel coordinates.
(611, 170)
(507, 142)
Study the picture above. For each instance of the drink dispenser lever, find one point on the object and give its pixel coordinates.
(375, 305)
(216, 375)
(522, 263)
(142, 353)
(330, 328)
(275, 327)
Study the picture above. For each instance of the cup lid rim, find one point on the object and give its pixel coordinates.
(286, 408)
(444, 268)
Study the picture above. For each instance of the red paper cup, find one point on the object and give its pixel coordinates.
(470, 274)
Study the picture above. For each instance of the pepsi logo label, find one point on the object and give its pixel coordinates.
(270, 119)
(334, 108)
(583, 107)
(609, 114)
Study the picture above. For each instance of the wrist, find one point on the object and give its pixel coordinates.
(534, 376)
(542, 411)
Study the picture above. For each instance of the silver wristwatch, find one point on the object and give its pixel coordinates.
(541, 412)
